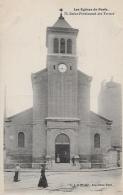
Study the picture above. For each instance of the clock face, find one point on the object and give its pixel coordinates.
(62, 67)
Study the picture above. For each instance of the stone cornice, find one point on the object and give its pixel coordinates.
(60, 119)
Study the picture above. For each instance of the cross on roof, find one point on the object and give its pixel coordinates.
(61, 16)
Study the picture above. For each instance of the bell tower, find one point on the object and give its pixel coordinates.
(62, 69)
(61, 44)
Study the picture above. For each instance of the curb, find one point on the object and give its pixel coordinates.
(80, 170)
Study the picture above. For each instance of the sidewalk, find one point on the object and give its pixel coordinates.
(77, 170)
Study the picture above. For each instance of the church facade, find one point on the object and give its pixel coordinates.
(60, 125)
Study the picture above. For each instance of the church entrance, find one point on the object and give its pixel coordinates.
(62, 149)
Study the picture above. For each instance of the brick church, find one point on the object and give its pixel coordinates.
(60, 125)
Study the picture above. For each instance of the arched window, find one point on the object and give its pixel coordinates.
(56, 45)
(97, 140)
(69, 46)
(62, 139)
(21, 139)
(62, 45)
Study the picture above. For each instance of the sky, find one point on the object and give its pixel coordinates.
(23, 44)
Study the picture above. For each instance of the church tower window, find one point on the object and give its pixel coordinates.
(69, 46)
(62, 45)
(97, 140)
(56, 45)
(21, 139)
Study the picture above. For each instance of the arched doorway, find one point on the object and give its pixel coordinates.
(62, 149)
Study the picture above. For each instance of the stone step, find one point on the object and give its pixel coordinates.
(63, 167)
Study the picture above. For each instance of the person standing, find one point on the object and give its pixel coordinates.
(16, 176)
(58, 159)
(73, 160)
(43, 181)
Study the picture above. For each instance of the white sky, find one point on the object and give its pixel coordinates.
(24, 22)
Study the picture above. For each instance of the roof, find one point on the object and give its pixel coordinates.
(27, 115)
(24, 113)
(41, 72)
(101, 117)
(62, 23)
(110, 84)
(82, 74)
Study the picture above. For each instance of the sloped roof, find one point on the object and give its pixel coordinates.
(62, 23)
(28, 113)
(84, 75)
(41, 72)
(93, 114)
(83, 78)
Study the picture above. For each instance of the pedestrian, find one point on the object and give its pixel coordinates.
(58, 159)
(43, 181)
(17, 170)
(73, 160)
(118, 163)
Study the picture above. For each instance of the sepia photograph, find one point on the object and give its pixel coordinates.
(61, 93)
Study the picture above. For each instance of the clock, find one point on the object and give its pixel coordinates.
(62, 67)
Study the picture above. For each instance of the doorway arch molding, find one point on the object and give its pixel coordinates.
(62, 138)
(51, 137)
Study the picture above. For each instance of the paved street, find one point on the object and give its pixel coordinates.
(65, 182)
